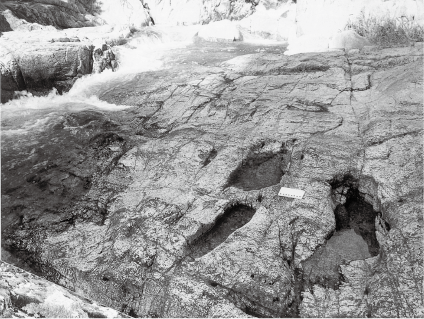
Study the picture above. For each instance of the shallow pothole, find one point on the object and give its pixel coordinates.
(353, 239)
(262, 167)
(233, 218)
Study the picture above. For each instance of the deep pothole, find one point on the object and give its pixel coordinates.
(263, 167)
(354, 237)
(233, 218)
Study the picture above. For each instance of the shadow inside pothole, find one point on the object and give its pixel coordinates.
(233, 218)
(261, 168)
(354, 237)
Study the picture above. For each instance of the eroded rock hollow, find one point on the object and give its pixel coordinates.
(169, 207)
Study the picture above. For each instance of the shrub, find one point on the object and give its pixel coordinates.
(388, 32)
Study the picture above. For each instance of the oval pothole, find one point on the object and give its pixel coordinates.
(233, 218)
(261, 168)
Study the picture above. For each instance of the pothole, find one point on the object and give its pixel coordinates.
(353, 239)
(233, 218)
(263, 167)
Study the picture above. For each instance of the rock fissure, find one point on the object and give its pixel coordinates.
(393, 137)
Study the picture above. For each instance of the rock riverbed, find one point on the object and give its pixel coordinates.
(170, 208)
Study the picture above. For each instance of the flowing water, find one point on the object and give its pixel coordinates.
(48, 138)
(148, 50)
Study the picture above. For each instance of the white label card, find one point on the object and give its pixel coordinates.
(291, 192)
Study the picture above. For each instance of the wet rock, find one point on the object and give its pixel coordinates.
(103, 57)
(58, 14)
(4, 24)
(11, 76)
(263, 167)
(40, 65)
(38, 61)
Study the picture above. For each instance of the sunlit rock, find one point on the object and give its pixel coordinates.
(188, 12)
(128, 12)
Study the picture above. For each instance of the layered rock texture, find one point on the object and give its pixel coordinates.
(186, 12)
(48, 14)
(38, 61)
(63, 14)
(170, 207)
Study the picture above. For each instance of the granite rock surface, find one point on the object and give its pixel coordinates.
(170, 207)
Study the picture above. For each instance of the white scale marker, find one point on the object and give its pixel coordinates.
(291, 192)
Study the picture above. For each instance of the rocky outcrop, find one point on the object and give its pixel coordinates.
(42, 65)
(187, 12)
(11, 76)
(103, 58)
(38, 14)
(23, 295)
(59, 14)
(38, 61)
(170, 208)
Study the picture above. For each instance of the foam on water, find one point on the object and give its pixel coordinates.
(145, 51)
(141, 54)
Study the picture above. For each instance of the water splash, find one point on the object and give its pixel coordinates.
(141, 54)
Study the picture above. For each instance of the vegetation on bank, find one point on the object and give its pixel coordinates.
(388, 32)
